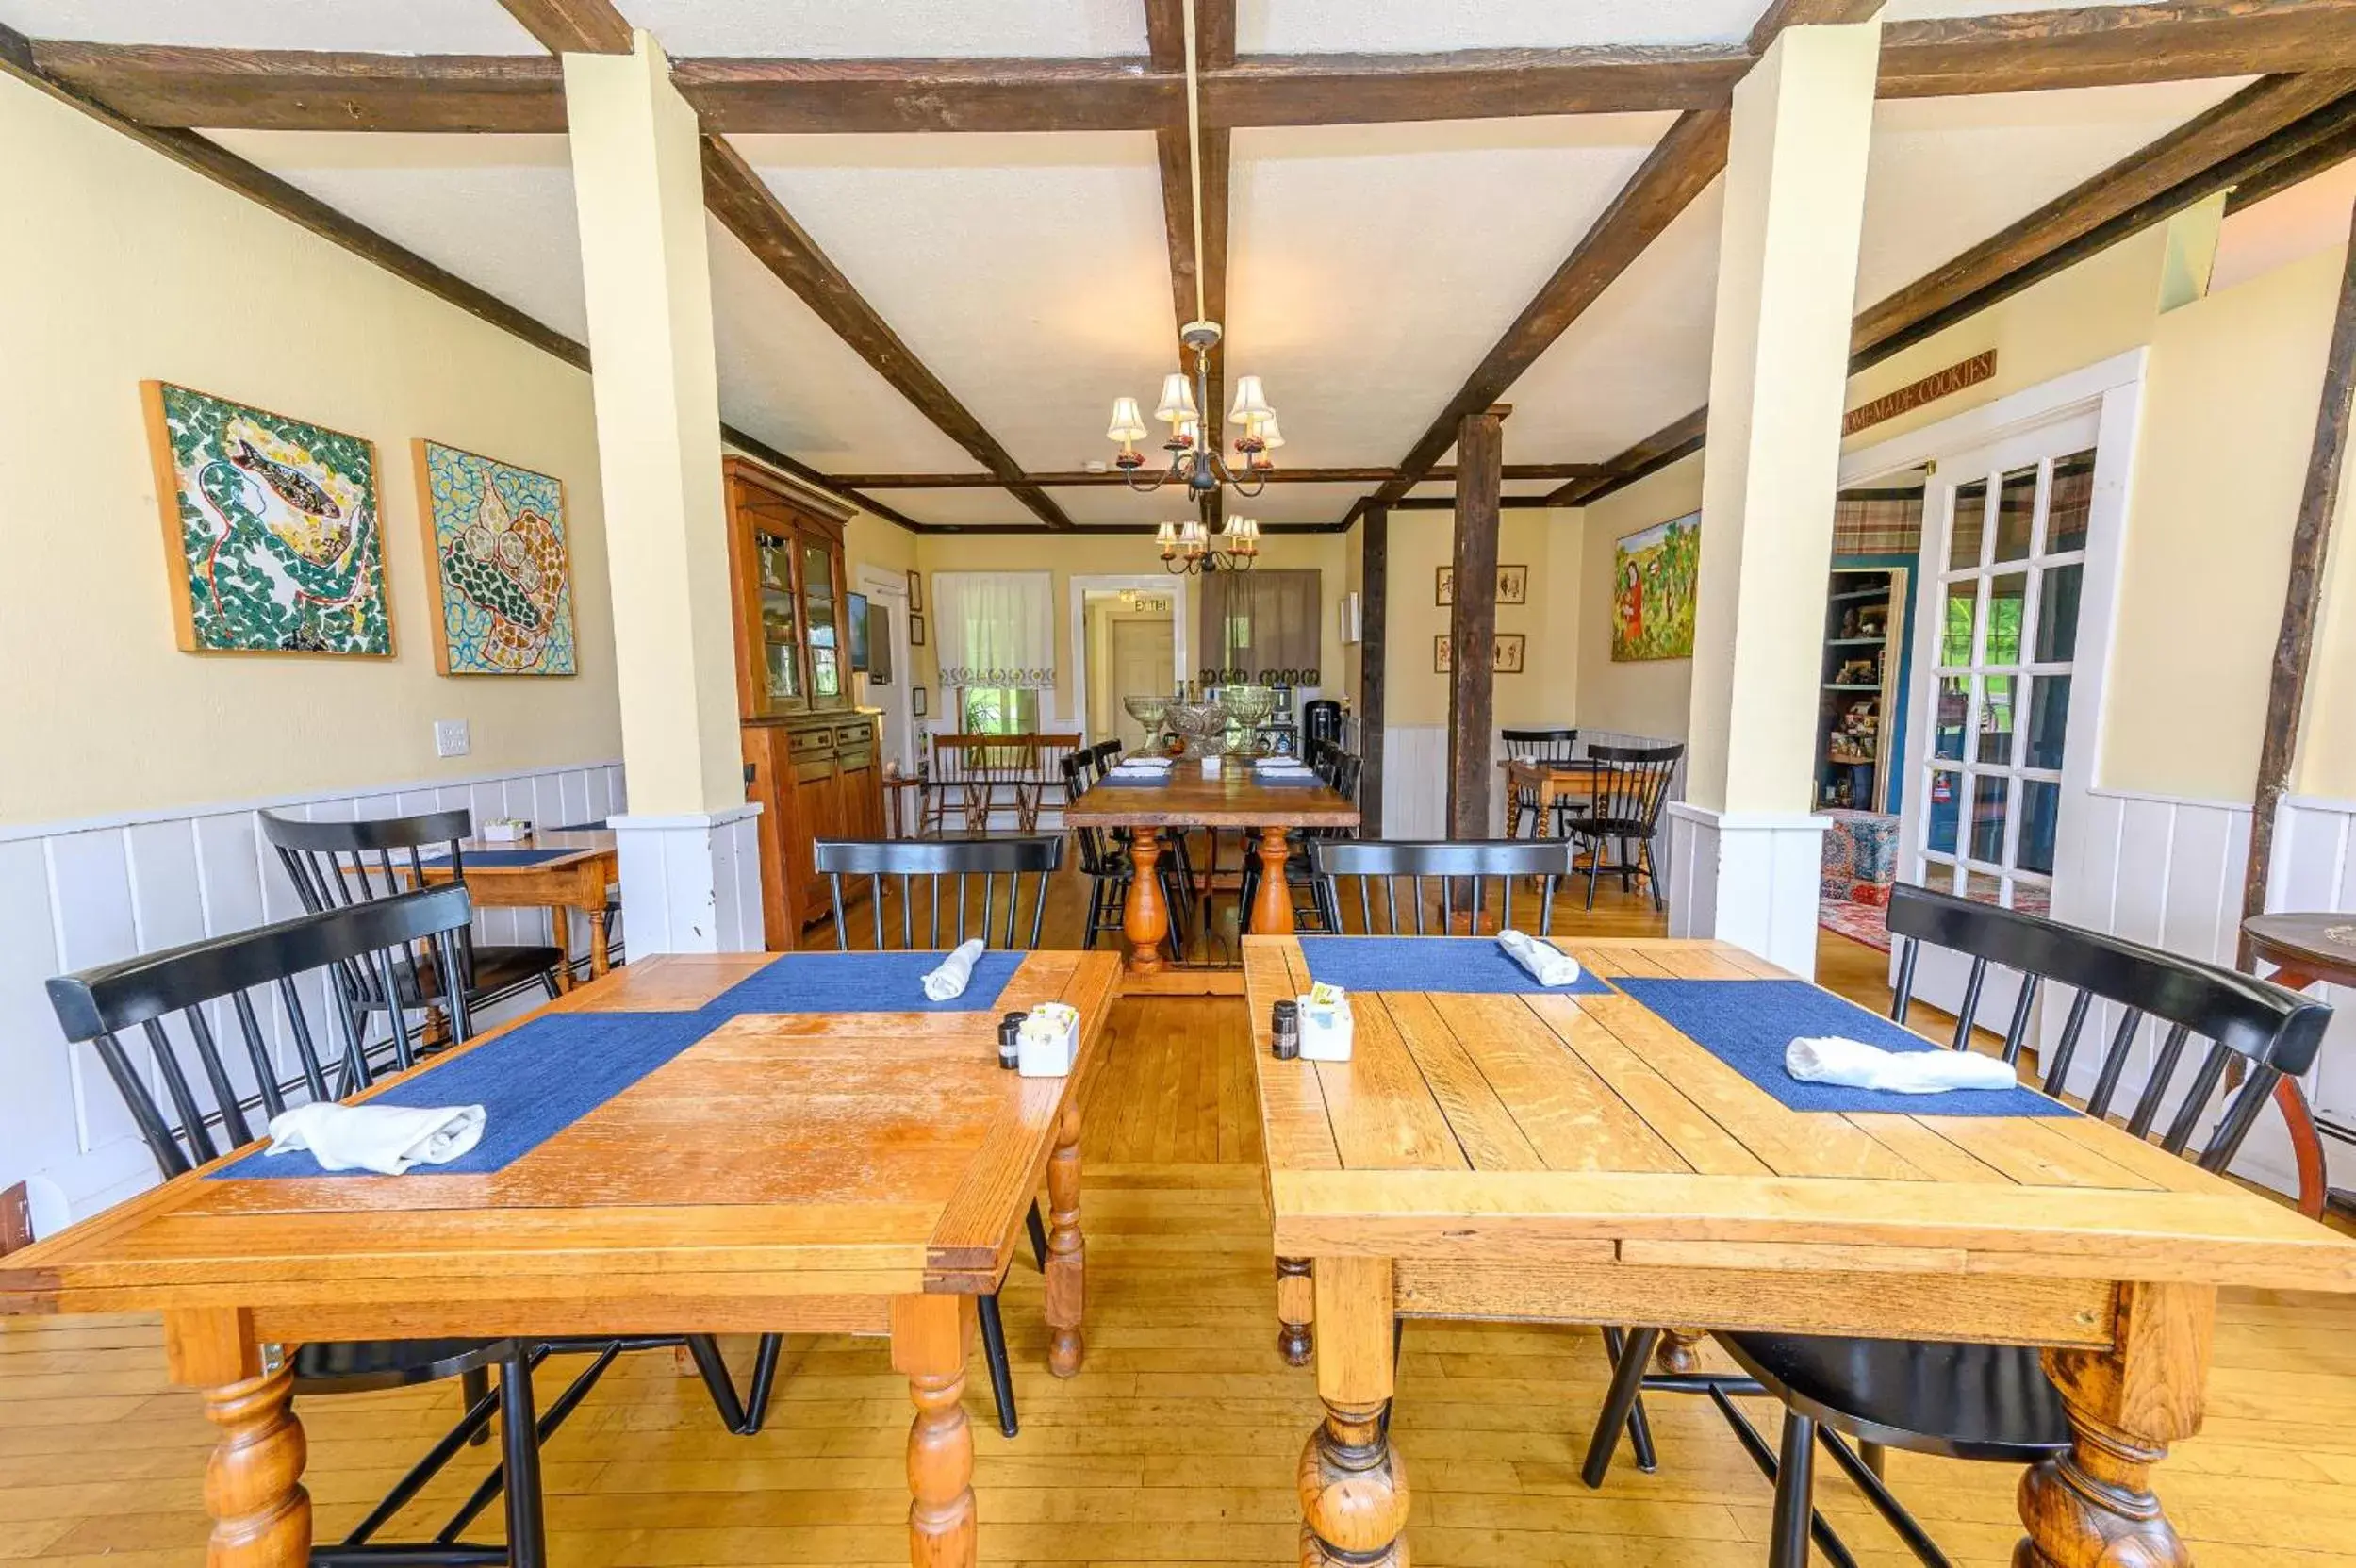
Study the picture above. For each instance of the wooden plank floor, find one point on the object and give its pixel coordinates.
(1177, 1443)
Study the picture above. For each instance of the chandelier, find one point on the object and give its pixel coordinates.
(1196, 461)
(1190, 547)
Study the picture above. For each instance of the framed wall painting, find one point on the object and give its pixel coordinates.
(916, 592)
(915, 630)
(1513, 586)
(1654, 573)
(1506, 653)
(272, 538)
(918, 704)
(498, 565)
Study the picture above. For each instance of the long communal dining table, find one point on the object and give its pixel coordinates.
(1623, 1153)
(694, 1144)
(1181, 796)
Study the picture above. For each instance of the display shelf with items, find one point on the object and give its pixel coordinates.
(1863, 637)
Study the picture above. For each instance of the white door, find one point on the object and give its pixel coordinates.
(1141, 668)
(888, 669)
(1998, 728)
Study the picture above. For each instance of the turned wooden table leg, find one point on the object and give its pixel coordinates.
(1067, 1253)
(2092, 1507)
(1353, 1487)
(254, 1482)
(1146, 916)
(600, 961)
(1676, 1350)
(931, 1336)
(1295, 1309)
(1272, 910)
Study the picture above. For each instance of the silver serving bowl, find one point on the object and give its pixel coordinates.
(1203, 726)
(1148, 711)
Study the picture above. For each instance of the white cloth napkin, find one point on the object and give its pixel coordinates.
(386, 1139)
(1854, 1064)
(1150, 764)
(1280, 764)
(1547, 963)
(955, 973)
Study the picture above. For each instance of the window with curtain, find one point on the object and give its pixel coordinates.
(996, 633)
(1260, 621)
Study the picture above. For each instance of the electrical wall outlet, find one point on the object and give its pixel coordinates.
(450, 738)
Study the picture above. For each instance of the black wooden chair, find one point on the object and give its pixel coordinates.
(923, 871)
(271, 979)
(1339, 770)
(1985, 1402)
(338, 864)
(1104, 860)
(1541, 746)
(1625, 812)
(1471, 862)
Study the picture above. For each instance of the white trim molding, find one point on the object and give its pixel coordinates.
(691, 880)
(1749, 878)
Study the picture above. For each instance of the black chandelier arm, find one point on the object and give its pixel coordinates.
(1129, 476)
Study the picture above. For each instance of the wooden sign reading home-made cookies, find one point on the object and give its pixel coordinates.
(1939, 384)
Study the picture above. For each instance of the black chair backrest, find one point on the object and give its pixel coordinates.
(1391, 863)
(1102, 755)
(1630, 793)
(381, 939)
(1078, 780)
(1540, 745)
(2277, 1032)
(933, 863)
(338, 864)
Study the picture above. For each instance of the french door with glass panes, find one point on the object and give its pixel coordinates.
(2005, 565)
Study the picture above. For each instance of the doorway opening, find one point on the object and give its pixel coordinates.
(1130, 650)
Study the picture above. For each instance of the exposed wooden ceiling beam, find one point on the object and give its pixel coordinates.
(1806, 13)
(1445, 473)
(1676, 171)
(744, 202)
(2268, 131)
(2019, 51)
(573, 26)
(1198, 284)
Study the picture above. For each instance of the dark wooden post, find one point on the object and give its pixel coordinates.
(1373, 651)
(1473, 622)
(2294, 645)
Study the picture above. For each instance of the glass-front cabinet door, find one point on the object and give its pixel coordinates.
(828, 661)
(780, 630)
(787, 563)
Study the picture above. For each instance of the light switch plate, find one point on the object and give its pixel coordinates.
(450, 738)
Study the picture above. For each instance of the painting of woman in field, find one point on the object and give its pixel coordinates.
(1654, 575)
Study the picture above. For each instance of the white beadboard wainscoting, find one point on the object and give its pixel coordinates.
(77, 894)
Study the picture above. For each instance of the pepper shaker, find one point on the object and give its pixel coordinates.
(1011, 1041)
(1284, 1026)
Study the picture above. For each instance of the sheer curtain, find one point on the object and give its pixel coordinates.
(996, 646)
(1261, 620)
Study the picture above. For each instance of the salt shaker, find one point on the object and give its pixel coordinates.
(1284, 1026)
(1010, 1041)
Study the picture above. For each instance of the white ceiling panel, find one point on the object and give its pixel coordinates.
(2287, 227)
(1636, 360)
(1948, 173)
(1028, 272)
(901, 28)
(1371, 266)
(1297, 503)
(1307, 26)
(371, 26)
(497, 211)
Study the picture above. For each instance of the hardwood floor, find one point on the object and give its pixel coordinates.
(1177, 1441)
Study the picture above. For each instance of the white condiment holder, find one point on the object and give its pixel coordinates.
(1210, 768)
(1049, 1041)
(1327, 1027)
(506, 830)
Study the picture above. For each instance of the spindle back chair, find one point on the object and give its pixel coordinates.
(1624, 810)
(1391, 863)
(1540, 746)
(931, 865)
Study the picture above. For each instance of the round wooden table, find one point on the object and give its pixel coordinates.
(2305, 949)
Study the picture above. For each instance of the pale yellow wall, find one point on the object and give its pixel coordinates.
(1413, 692)
(2229, 415)
(1110, 554)
(1648, 697)
(122, 265)
(1354, 581)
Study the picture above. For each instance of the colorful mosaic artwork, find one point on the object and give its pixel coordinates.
(271, 527)
(500, 566)
(1654, 577)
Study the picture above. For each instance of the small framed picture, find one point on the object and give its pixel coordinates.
(1442, 647)
(1513, 586)
(915, 630)
(917, 704)
(1443, 591)
(917, 592)
(1508, 653)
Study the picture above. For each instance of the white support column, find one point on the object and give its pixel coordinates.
(1744, 845)
(690, 857)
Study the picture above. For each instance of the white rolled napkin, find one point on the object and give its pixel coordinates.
(1547, 963)
(955, 973)
(1854, 1064)
(1151, 765)
(386, 1139)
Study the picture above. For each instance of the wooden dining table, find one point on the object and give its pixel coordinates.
(563, 873)
(1575, 1159)
(1237, 798)
(2306, 948)
(1545, 782)
(825, 1172)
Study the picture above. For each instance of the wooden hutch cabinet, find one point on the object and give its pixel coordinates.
(811, 756)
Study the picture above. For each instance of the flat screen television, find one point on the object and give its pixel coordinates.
(858, 615)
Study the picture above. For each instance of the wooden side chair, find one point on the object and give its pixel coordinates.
(338, 864)
(922, 872)
(1540, 745)
(1625, 813)
(163, 1019)
(1391, 863)
(1046, 784)
(1987, 1401)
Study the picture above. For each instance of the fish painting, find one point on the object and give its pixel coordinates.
(502, 574)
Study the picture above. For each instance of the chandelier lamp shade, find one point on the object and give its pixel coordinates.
(1190, 547)
(1196, 460)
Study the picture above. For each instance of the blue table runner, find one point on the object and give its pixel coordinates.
(487, 859)
(1474, 964)
(1747, 1023)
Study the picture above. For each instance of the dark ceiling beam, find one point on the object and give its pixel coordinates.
(1165, 34)
(742, 201)
(1444, 473)
(2111, 46)
(306, 90)
(2265, 134)
(797, 95)
(752, 446)
(1806, 13)
(573, 26)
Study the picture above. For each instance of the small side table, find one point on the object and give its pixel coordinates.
(2306, 949)
(894, 790)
